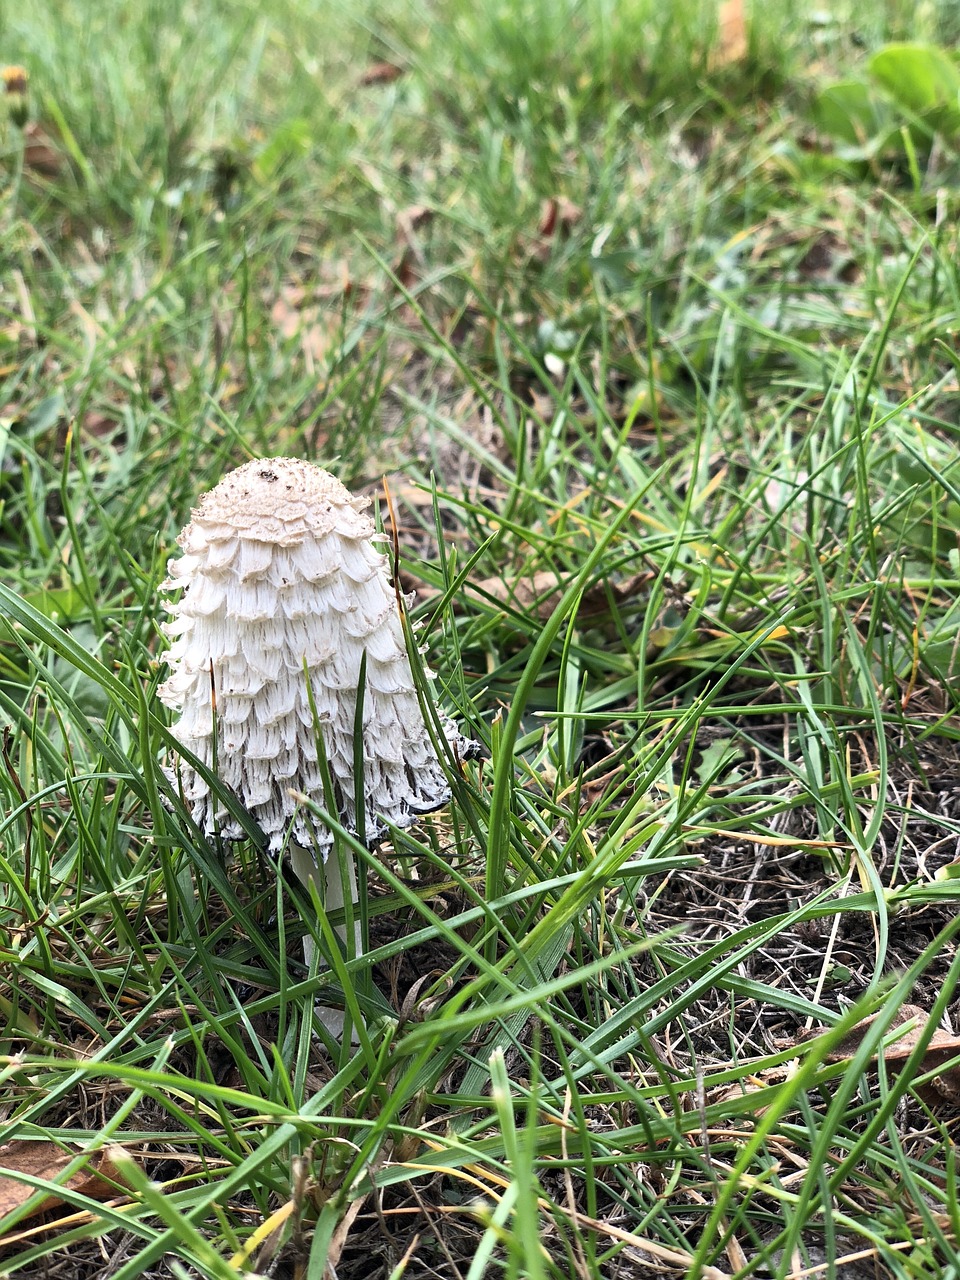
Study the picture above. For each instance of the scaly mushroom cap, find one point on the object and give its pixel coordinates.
(283, 593)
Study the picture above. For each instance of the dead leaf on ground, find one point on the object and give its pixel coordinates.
(558, 217)
(942, 1047)
(409, 266)
(334, 279)
(294, 317)
(381, 73)
(539, 594)
(46, 1160)
(558, 214)
(733, 42)
(766, 1081)
(411, 219)
(40, 154)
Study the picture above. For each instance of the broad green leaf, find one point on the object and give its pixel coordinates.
(849, 112)
(924, 79)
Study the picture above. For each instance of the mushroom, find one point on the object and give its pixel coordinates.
(286, 602)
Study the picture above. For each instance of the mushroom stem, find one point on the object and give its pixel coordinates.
(331, 889)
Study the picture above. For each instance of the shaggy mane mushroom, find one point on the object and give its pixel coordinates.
(285, 600)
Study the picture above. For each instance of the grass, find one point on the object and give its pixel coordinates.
(665, 388)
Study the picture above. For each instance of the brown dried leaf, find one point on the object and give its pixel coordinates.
(40, 154)
(405, 269)
(292, 318)
(733, 42)
(539, 593)
(99, 426)
(940, 1049)
(410, 261)
(411, 219)
(46, 1160)
(558, 214)
(381, 73)
(737, 1091)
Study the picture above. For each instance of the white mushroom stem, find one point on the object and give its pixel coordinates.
(329, 883)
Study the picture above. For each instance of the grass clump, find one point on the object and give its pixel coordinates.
(665, 389)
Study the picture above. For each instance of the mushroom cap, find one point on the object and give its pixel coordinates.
(279, 500)
(285, 597)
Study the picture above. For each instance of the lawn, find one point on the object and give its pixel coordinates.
(639, 325)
